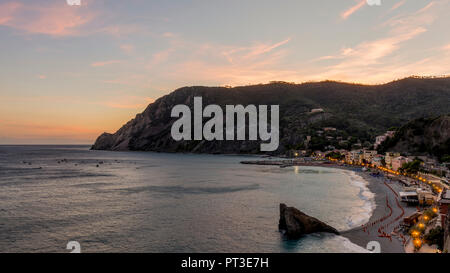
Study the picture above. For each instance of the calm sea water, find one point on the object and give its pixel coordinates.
(155, 202)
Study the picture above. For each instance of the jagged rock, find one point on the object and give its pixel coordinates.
(294, 223)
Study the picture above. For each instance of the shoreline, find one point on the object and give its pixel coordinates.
(365, 194)
(383, 195)
(384, 200)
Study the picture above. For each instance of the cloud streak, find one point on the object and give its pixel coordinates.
(347, 13)
(232, 65)
(397, 6)
(379, 60)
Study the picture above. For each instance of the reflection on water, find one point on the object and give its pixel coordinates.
(155, 202)
(300, 170)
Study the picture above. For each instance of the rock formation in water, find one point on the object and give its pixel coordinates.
(294, 223)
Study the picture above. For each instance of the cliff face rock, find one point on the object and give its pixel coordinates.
(295, 223)
(347, 107)
(423, 136)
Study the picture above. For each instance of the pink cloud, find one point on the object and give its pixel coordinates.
(371, 52)
(250, 52)
(42, 77)
(427, 7)
(397, 5)
(234, 65)
(385, 59)
(58, 19)
(7, 10)
(264, 48)
(353, 9)
(104, 63)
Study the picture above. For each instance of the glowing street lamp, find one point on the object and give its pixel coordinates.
(417, 243)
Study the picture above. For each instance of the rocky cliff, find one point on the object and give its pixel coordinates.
(353, 109)
(294, 223)
(423, 136)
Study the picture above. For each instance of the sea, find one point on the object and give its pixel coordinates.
(161, 202)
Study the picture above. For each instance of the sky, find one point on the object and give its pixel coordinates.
(71, 72)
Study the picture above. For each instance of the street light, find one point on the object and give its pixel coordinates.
(417, 243)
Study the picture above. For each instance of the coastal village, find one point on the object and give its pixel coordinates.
(419, 218)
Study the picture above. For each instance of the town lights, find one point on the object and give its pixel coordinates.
(426, 218)
(435, 210)
(421, 226)
(417, 243)
(415, 234)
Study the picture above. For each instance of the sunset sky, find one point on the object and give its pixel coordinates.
(69, 73)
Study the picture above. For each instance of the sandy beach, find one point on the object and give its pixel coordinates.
(388, 212)
(385, 200)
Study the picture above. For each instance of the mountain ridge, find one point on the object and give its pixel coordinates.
(354, 109)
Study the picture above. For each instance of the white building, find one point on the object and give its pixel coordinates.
(398, 162)
(382, 138)
(389, 157)
(379, 140)
(377, 160)
(355, 156)
(368, 155)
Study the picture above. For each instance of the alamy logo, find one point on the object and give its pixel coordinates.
(374, 247)
(74, 246)
(213, 128)
(73, 2)
(374, 2)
